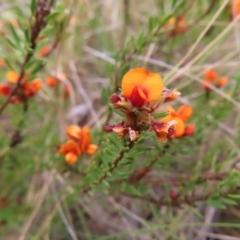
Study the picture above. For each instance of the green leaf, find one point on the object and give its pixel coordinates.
(160, 115)
(11, 43)
(119, 112)
(234, 196)
(7, 61)
(229, 201)
(53, 16)
(216, 203)
(33, 7)
(27, 35)
(15, 34)
(196, 213)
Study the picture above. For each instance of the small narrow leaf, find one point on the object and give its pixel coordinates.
(33, 7)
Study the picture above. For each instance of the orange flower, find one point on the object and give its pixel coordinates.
(184, 112)
(91, 149)
(51, 81)
(71, 151)
(164, 130)
(140, 86)
(211, 76)
(178, 25)
(5, 90)
(74, 132)
(236, 8)
(222, 82)
(12, 76)
(180, 117)
(181, 25)
(189, 130)
(31, 88)
(44, 51)
(83, 138)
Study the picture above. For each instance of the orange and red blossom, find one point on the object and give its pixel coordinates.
(177, 25)
(140, 103)
(51, 81)
(163, 130)
(140, 86)
(212, 77)
(71, 150)
(12, 76)
(24, 90)
(189, 130)
(79, 143)
(83, 138)
(5, 90)
(180, 117)
(29, 89)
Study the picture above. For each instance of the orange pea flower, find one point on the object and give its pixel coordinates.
(211, 76)
(164, 130)
(140, 100)
(178, 25)
(71, 150)
(44, 51)
(236, 8)
(184, 112)
(83, 138)
(51, 81)
(189, 130)
(181, 27)
(5, 90)
(140, 86)
(181, 116)
(222, 82)
(31, 88)
(12, 76)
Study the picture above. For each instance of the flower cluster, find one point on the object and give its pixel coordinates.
(181, 116)
(79, 143)
(176, 25)
(141, 99)
(212, 77)
(26, 90)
